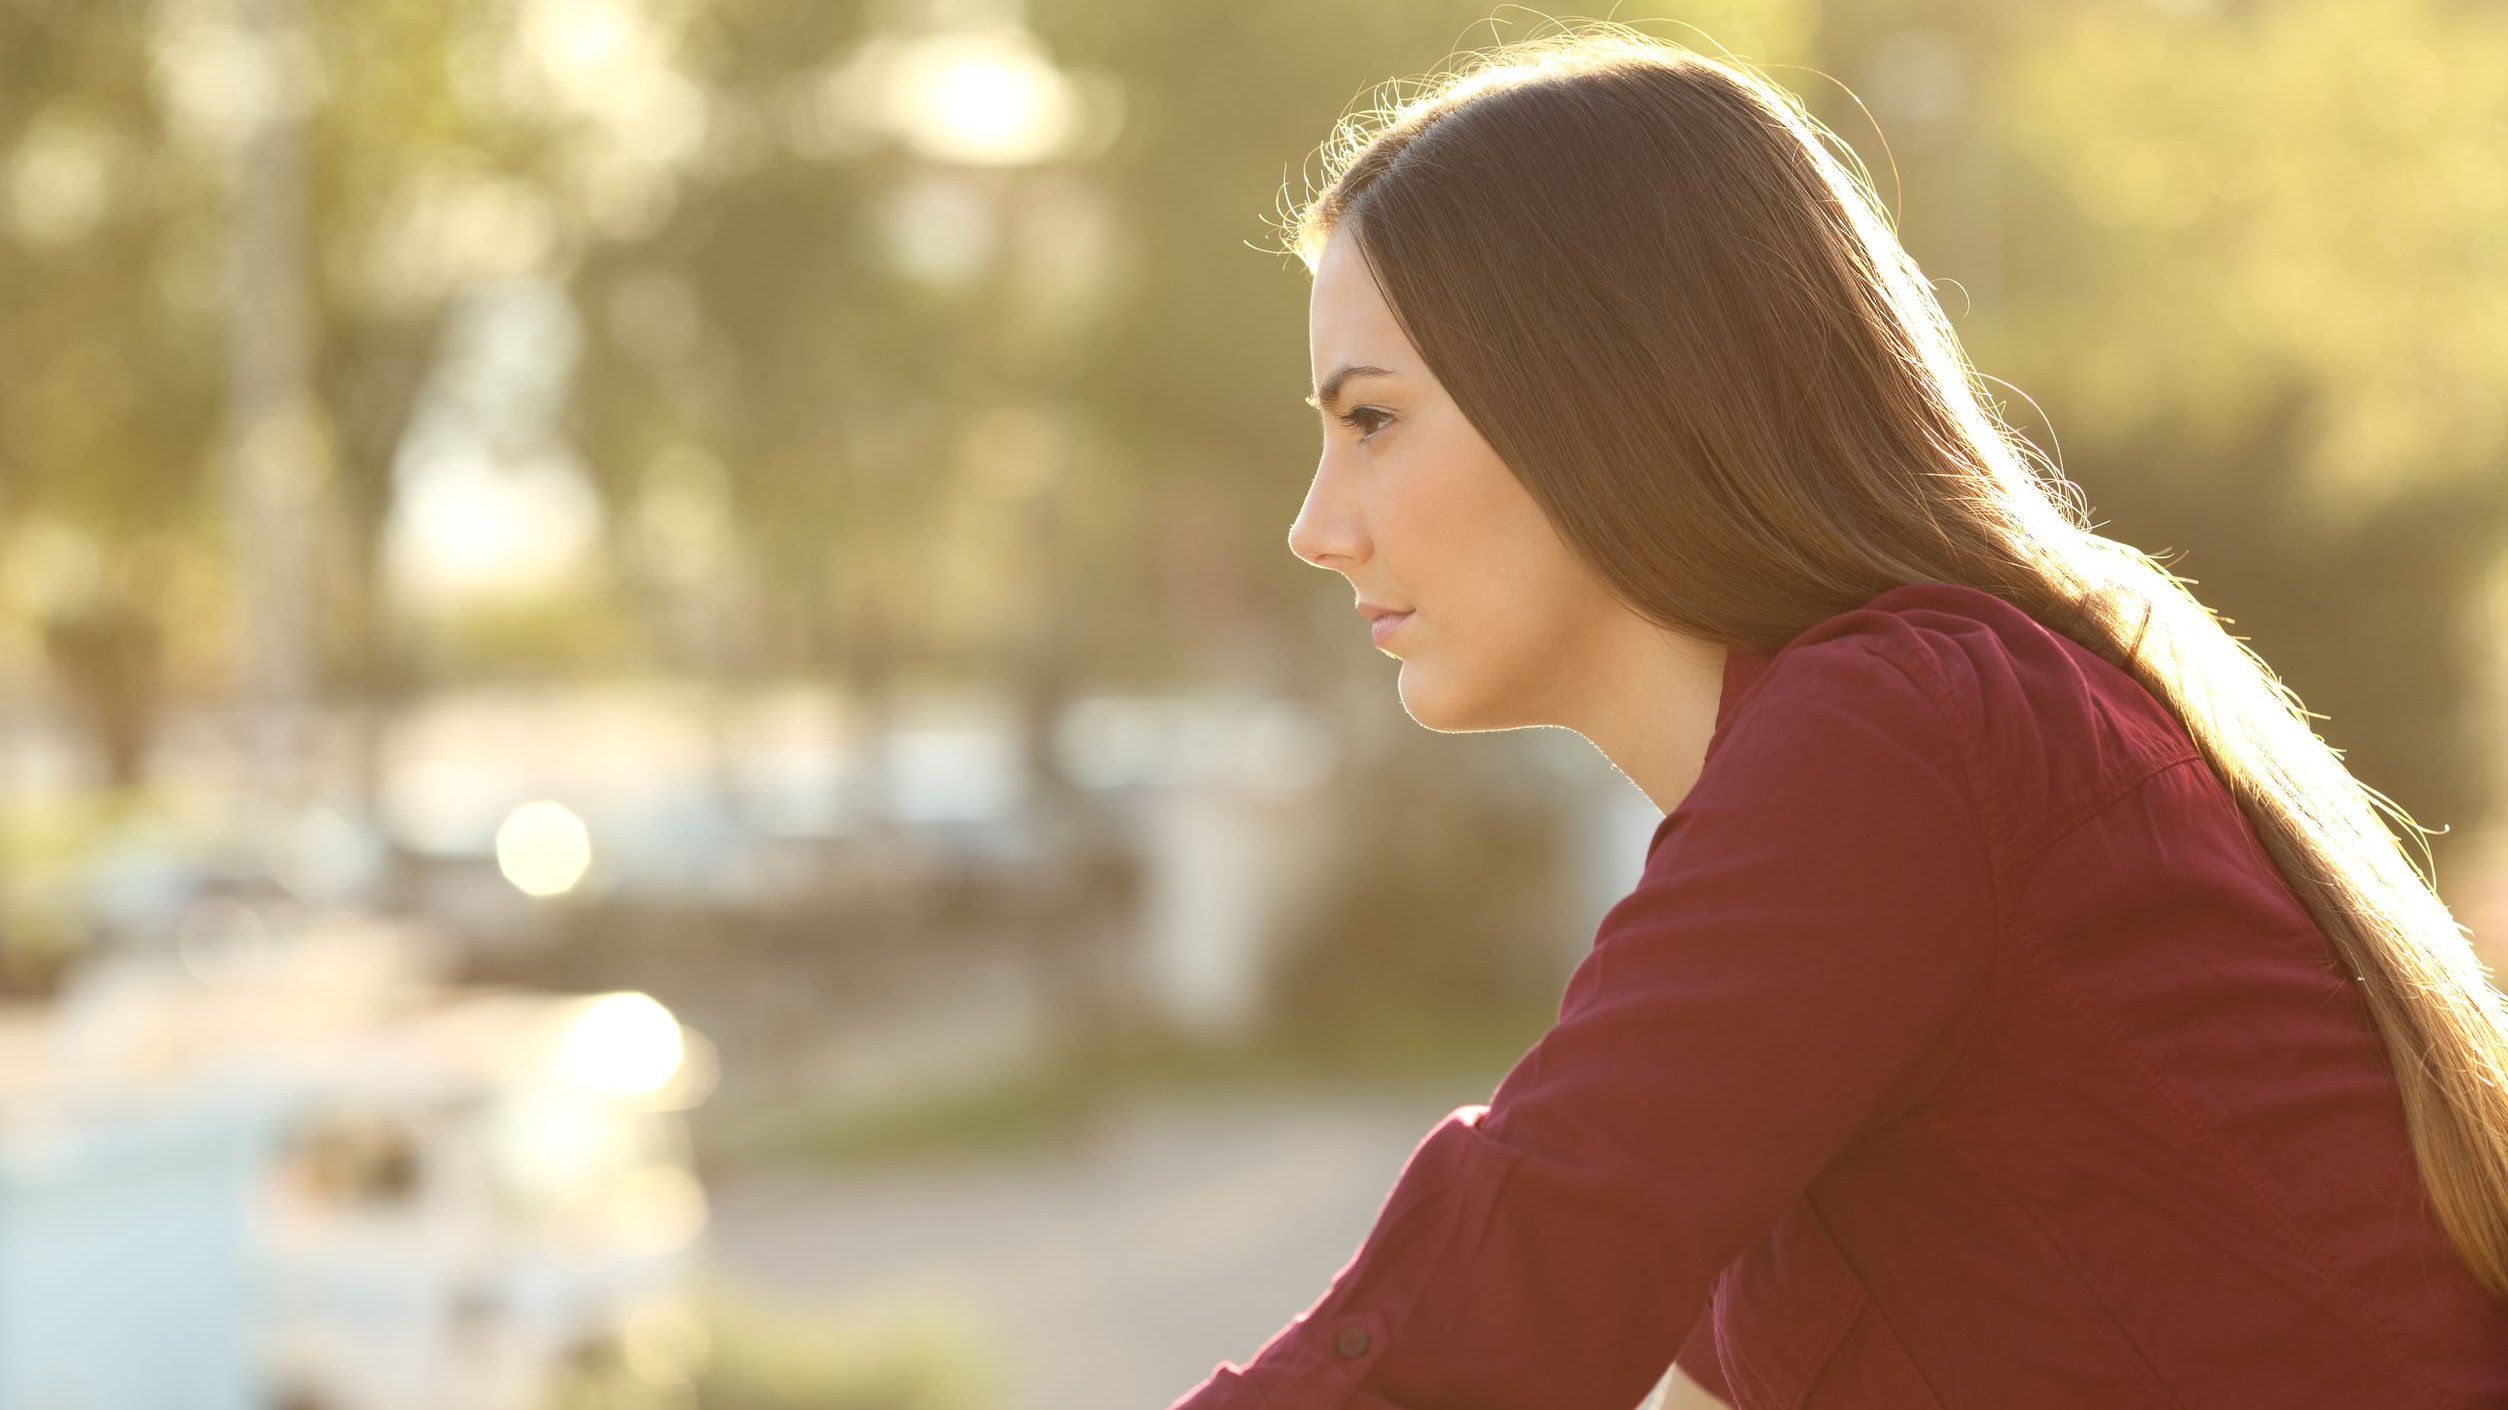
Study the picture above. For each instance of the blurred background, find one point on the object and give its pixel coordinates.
(658, 746)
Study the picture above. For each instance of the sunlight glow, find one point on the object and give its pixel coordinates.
(625, 1044)
(543, 848)
(990, 99)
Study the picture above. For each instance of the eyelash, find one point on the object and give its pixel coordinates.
(1351, 417)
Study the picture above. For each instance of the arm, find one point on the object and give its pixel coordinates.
(1697, 1377)
(1793, 970)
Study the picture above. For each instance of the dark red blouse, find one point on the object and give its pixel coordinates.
(1959, 1047)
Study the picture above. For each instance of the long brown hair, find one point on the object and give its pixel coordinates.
(1690, 330)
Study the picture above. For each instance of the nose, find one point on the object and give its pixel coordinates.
(1328, 532)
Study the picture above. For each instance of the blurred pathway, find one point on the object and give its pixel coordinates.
(1113, 1277)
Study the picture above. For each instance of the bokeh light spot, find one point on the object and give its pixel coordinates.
(543, 848)
(626, 1044)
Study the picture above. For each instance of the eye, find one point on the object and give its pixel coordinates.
(1358, 416)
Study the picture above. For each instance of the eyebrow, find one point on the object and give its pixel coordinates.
(1330, 391)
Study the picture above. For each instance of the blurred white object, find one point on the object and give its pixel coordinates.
(123, 1251)
(321, 1179)
(1234, 853)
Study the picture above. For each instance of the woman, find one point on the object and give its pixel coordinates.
(2020, 1006)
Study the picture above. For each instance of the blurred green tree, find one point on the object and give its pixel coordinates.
(2252, 269)
(861, 407)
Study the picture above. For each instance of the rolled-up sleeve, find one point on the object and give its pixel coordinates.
(1795, 968)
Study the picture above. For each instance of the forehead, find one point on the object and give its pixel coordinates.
(1347, 318)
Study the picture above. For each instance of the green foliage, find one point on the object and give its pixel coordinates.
(2237, 197)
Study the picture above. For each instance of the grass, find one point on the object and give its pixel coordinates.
(1058, 1101)
(730, 1351)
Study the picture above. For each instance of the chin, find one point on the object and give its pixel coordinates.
(1435, 706)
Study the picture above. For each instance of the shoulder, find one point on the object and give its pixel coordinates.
(2035, 719)
(1966, 649)
(1842, 797)
(1918, 661)
(1861, 715)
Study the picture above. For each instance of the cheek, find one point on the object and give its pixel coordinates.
(1476, 555)
(1449, 525)
(1475, 538)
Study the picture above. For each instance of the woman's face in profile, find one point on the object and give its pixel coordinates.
(1413, 507)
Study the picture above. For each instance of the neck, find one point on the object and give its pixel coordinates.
(1654, 711)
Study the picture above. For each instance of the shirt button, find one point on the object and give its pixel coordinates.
(1352, 1342)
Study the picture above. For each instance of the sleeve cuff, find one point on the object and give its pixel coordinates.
(1321, 1371)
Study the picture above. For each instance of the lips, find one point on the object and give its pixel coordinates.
(1384, 624)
